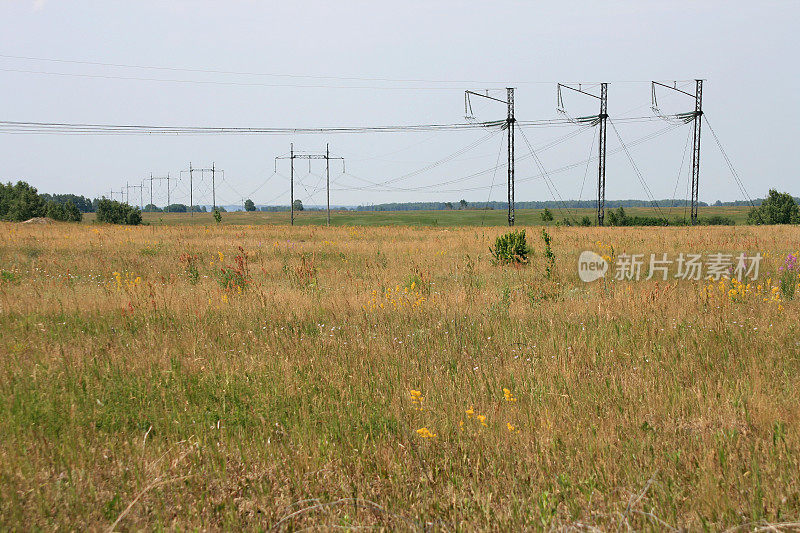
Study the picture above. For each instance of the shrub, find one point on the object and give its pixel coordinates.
(549, 256)
(777, 208)
(511, 247)
(617, 218)
(20, 202)
(56, 211)
(134, 217)
(715, 220)
(217, 216)
(72, 212)
(235, 278)
(114, 212)
(547, 215)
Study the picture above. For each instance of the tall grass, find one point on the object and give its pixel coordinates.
(141, 389)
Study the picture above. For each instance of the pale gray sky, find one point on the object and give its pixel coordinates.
(745, 50)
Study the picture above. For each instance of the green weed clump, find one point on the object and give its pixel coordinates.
(511, 247)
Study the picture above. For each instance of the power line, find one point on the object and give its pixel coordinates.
(68, 128)
(559, 170)
(636, 170)
(284, 75)
(547, 179)
(729, 163)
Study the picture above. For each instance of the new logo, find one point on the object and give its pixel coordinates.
(591, 266)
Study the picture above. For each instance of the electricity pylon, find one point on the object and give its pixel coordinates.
(601, 118)
(510, 122)
(310, 155)
(696, 118)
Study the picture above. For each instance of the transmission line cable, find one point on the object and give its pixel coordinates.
(680, 171)
(544, 172)
(729, 163)
(636, 170)
(586, 171)
(497, 165)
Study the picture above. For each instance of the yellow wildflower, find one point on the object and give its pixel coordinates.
(509, 396)
(425, 433)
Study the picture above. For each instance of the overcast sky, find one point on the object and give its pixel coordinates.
(327, 64)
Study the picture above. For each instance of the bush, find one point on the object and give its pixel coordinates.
(56, 211)
(114, 212)
(20, 202)
(777, 208)
(547, 215)
(618, 217)
(74, 214)
(511, 248)
(134, 217)
(716, 220)
(83, 204)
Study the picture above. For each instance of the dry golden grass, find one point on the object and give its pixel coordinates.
(388, 377)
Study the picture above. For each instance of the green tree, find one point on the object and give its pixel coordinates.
(547, 215)
(298, 205)
(20, 202)
(56, 211)
(72, 212)
(249, 205)
(114, 212)
(618, 217)
(462, 204)
(777, 208)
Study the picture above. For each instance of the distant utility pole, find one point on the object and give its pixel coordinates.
(510, 123)
(696, 118)
(600, 119)
(191, 201)
(202, 172)
(151, 179)
(310, 155)
(141, 197)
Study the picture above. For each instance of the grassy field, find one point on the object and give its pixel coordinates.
(524, 217)
(255, 377)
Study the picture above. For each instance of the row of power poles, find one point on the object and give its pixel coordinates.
(124, 194)
(601, 120)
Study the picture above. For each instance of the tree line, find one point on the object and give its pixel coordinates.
(21, 201)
